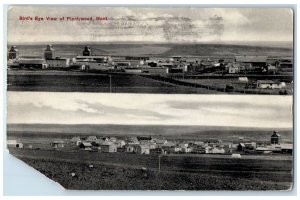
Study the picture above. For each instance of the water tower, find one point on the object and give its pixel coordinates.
(13, 53)
(49, 52)
(87, 51)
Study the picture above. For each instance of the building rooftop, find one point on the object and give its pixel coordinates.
(267, 82)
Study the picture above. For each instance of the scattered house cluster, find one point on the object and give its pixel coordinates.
(155, 65)
(149, 145)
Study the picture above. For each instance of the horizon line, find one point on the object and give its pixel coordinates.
(217, 126)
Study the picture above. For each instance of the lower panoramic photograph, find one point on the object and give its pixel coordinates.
(94, 141)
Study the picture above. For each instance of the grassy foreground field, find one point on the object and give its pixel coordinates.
(179, 172)
(62, 81)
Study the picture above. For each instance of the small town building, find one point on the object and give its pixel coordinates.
(233, 68)
(112, 139)
(198, 149)
(108, 147)
(269, 84)
(286, 148)
(275, 138)
(121, 65)
(132, 140)
(131, 148)
(160, 142)
(87, 51)
(92, 139)
(241, 147)
(142, 149)
(171, 147)
(76, 141)
(91, 59)
(286, 64)
(176, 58)
(272, 69)
(214, 150)
(49, 52)
(14, 144)
(156, 151)
(58, 62)
(263, 150)
(236, 155)
(85, 146)
(13, 53)
(57, 144)
(120, 143)
(243, 80)
(152, 63)
(34, 63)
(150, 143)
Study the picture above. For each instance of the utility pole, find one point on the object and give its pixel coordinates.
(159, 156)
(110, 83)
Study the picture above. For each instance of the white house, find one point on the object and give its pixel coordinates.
(234, 68)
(160, 142)
(58, 62)
(86, 146)
(120, 143)
(76, 141)
(269, 84)
(214, 150)
(14, 144)
(243, 80)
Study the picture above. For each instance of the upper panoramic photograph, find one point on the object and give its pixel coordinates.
(164, 50)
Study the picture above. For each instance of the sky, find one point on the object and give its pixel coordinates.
(152, 24)
(150, 109)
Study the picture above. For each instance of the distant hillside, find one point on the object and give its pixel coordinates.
(200, 132)
(155, 49)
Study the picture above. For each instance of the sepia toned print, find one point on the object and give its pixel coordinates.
(152, 98)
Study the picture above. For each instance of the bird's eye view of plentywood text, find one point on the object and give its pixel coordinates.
(152, 98)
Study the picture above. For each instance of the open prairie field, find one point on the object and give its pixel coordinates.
(60, 81)
(178, 172)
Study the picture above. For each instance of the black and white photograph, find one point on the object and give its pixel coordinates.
(169, 50)
(152, 98)
(88, 141)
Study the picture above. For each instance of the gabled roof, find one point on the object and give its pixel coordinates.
(242, 144)
(160, 141)
(91, 138)
(86, 144)
(267, 82)
(169, 144)
(275, 135)
(105, 143)
(262, 149)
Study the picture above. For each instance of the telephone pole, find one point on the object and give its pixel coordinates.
(110, 83)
